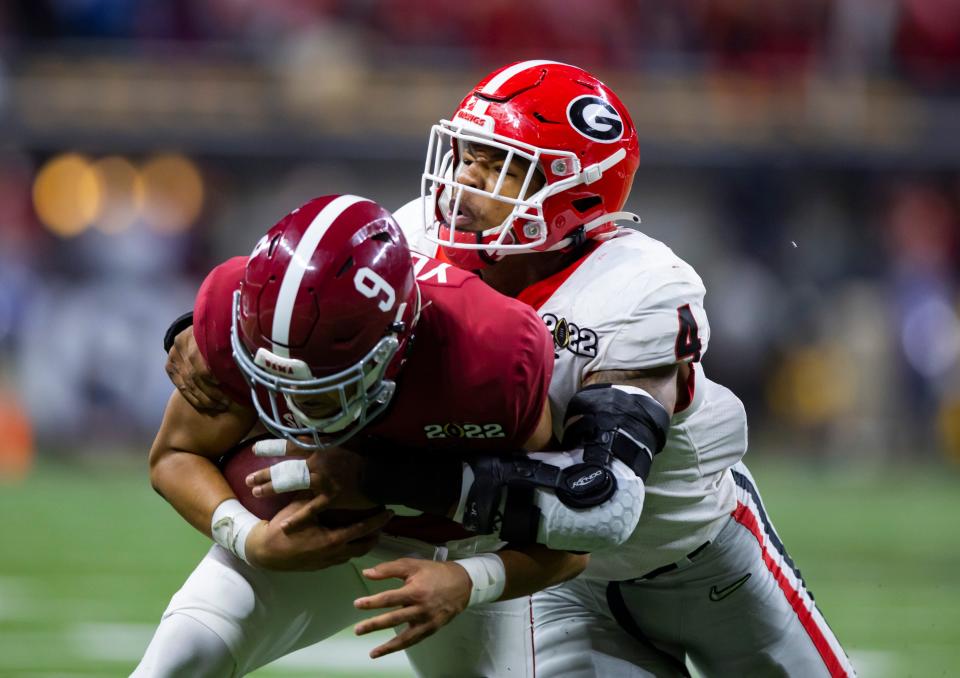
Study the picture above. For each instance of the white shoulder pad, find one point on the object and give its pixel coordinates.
(410, 219)
(642, 301)
(604, 526)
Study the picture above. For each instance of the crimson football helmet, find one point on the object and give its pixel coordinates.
(322, 318)
(570, 127)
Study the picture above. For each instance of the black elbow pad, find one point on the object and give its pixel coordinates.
(611, 421)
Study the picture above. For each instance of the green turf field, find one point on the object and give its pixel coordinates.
(89, 558)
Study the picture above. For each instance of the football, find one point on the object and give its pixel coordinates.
(240, 462)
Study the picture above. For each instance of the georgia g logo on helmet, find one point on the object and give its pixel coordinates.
(595, 119)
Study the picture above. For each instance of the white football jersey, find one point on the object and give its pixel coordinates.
(410, 219)
(633, 304)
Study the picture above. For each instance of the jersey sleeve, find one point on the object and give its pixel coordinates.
(212, 315)
(660, 321)
(410, 218)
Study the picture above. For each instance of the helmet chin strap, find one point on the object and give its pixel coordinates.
(599, 221)
(612, 216)
(478, 259)
(593, 173)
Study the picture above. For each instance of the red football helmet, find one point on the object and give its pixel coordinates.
(569, 126)
(326, 308)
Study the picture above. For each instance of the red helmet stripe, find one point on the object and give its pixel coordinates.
(293, 276)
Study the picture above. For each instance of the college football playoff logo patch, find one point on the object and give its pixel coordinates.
(595, 119)
(567, 336)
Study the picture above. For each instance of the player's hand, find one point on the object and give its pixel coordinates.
(332, 474)
(432, 594)
(191, 375)
(314, 547)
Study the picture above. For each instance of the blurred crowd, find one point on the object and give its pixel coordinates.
(833, 289)
(917, 40)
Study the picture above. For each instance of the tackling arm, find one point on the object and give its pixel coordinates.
(188, 370)
(583, 499)
(590, 496)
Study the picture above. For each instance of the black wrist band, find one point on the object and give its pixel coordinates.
(176, 327)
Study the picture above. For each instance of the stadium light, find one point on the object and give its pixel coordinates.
(173, 193)
(67, 194)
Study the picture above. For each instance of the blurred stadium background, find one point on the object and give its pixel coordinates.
(803, 155)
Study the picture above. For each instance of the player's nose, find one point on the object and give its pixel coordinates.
(470, 175)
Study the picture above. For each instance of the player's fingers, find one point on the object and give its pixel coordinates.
(388, 620)
(184, 383)
(289, 476)
(196, 374)
(270, 447)
(201, 371)
(172, 369)
(262, 489)
(402, 641)
(217, 397)
(261, 485)
(259, 478)
(186, 345)
(196, 402)
(200, 400)
(400, 568)
(362, 528)
(392, 598)
(305, 515)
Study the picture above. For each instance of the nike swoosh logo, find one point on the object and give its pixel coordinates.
(719, 594)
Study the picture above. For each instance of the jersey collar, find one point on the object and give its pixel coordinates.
(537, 294)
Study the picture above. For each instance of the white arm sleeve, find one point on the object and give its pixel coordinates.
(603, 526)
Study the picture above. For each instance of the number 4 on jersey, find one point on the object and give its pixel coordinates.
(688, 339)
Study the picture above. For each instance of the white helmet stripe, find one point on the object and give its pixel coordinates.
(480, 106)
(290, 286)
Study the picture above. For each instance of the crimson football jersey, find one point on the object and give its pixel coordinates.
(475, 379)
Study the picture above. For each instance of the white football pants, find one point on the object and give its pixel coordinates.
(229, 619)
(736, 607)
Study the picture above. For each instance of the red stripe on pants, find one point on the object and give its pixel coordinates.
(745, 517)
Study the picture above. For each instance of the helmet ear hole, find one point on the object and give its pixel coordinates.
(346, 266)
(586, 204)
(273, 244)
